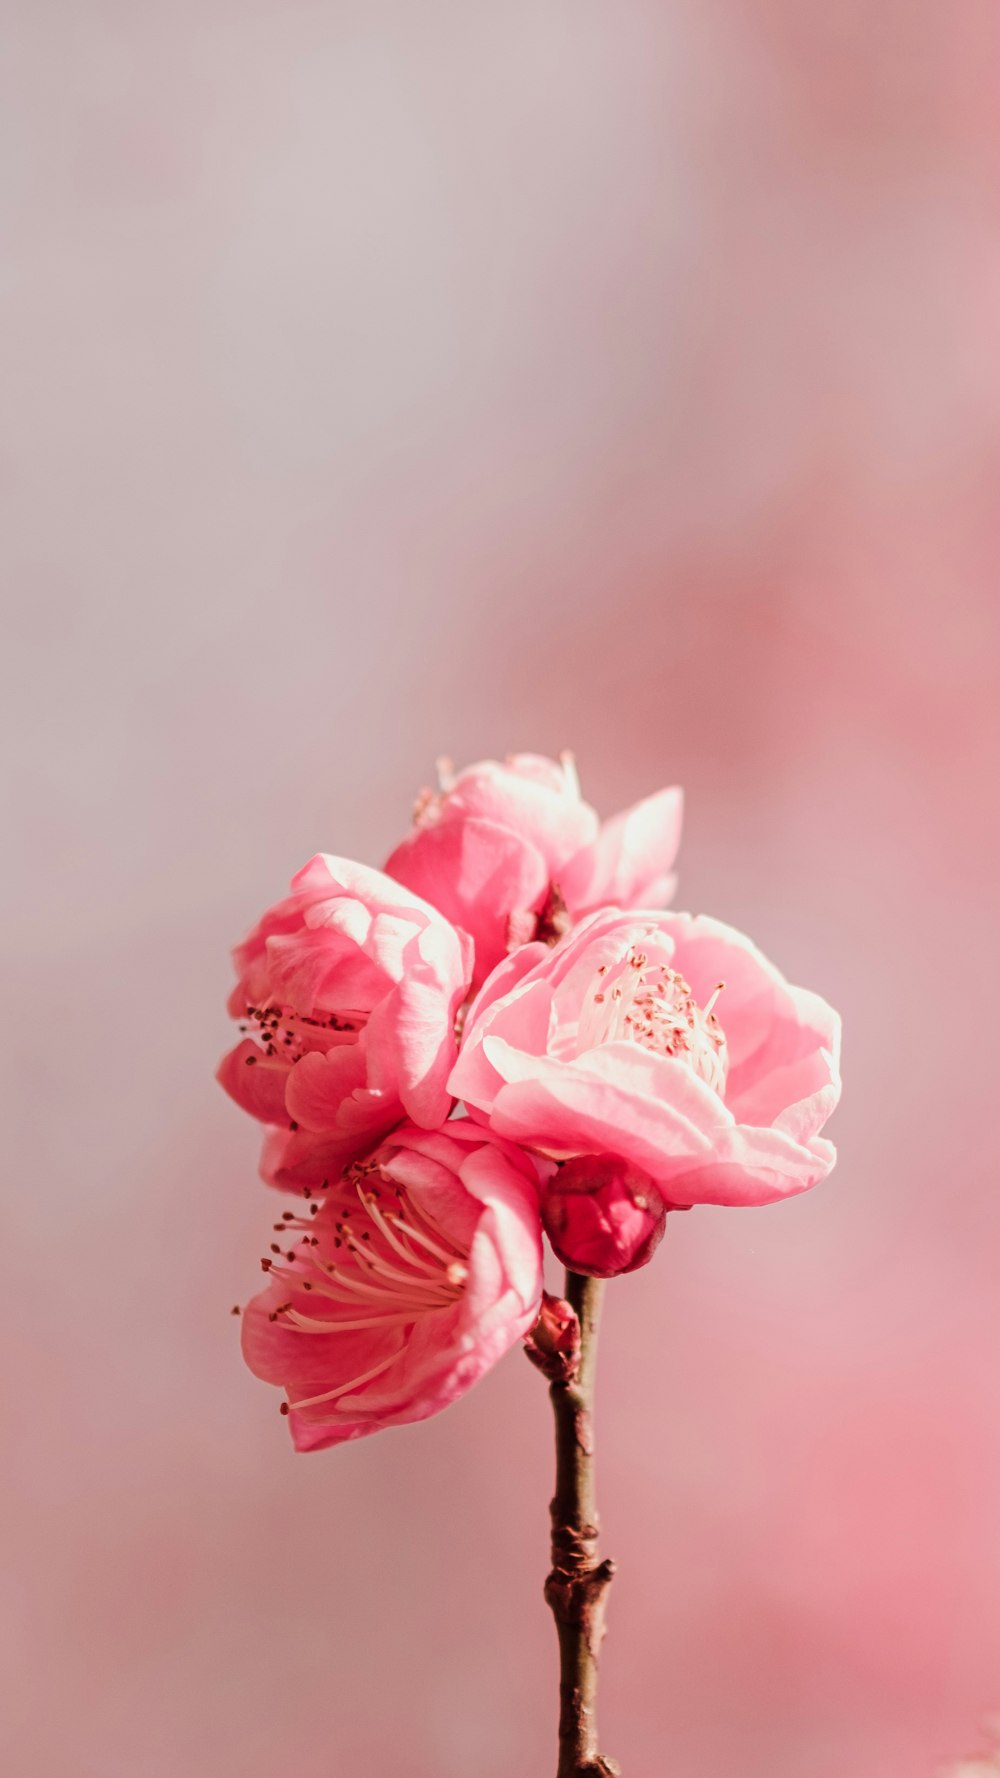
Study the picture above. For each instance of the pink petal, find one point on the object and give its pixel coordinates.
(630, 862)
(783, 1042)
(530, 797)
(475, 873)
(256, 1081)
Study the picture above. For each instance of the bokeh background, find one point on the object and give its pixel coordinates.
(387, 380)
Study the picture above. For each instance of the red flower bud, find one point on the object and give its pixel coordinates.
(603, 1215)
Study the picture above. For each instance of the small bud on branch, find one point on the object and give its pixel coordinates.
(553, 1344)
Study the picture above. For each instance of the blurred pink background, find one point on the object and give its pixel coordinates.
(398, 379)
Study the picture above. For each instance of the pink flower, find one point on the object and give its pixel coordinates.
(351, 987)
(419, 1270)
(488, 846)
(609, 1044)
(603, 1215)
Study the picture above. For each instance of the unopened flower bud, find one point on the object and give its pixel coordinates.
(554, 1342)
(603, 1215)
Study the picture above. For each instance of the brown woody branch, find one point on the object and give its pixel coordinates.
(577, 1587)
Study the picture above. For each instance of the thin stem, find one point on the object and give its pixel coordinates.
(577, 1588)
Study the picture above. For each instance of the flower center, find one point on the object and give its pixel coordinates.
(287, 1036)
(637, 1001)
(380, 1264)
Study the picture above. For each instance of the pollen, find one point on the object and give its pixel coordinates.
(638, 1000)
(287, 1036)
(384, 1265)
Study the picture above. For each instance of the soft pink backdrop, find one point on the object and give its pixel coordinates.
(383, 380)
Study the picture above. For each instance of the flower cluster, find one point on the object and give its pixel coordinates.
(501, 1033)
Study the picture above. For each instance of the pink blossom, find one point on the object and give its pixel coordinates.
(418, 1270)
(610, 1044)
(488, 846)
(602, 1215)
(349, 990)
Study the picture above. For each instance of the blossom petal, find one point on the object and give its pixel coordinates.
(630, 862)
(256, 1081)
(363, 980)
(475, 873)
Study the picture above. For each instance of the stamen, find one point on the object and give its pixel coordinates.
(568, 762)
(374, 1262)
(647, 1002)
(434, 1228)
(314, 1401)
(386, 1277)
(285, 1035)
(414, 1234)
(356, 1288)
(316, 1324)
(382, 1223)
